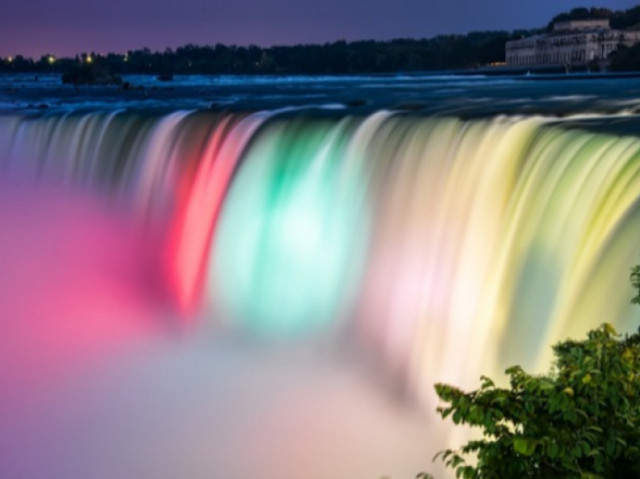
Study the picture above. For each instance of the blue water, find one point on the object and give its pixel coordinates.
(446, 94)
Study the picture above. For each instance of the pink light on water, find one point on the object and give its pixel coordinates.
(192, 230)
(74, 285)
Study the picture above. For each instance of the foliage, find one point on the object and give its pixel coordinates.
(625, 58)
(620, 19)
(581, 13)
(580, 421)
(626, 18)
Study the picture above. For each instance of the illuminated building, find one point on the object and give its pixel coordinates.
(571, 43)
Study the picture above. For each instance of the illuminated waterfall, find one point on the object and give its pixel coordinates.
(442, 248)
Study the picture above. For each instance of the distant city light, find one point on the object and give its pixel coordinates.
(89, 59)
(51, 59)
(10, 59)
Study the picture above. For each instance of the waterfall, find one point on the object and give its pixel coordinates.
(440, 248)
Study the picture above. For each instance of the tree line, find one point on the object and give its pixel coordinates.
(443, 52)
(618, 19)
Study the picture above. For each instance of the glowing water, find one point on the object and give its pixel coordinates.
(425, 249)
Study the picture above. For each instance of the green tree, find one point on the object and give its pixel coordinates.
(582, 420)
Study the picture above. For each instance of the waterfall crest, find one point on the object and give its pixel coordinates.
(443, 248)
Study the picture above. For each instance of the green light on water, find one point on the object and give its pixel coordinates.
(290, 240)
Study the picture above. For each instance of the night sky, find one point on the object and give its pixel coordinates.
(66, 27)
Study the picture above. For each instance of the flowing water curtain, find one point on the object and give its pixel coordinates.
(66, 147)
(448, 248)
(202, 192)
(442, 188)
(573, 226)
(140, 160)
(491, 241)
(89, 149)
(292, 235)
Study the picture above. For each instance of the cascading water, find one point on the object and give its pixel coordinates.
(435, 249)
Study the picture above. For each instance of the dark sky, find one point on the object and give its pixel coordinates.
(63, 27)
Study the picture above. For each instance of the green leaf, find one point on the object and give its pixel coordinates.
(524, 446)
(486, 382)
(553, 450)
(609, 329)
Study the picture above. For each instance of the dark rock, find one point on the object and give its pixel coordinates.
(356, 103)
(93, 74)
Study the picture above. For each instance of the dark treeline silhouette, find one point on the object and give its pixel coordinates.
(618, 19)
(625, 59)
(444, 52)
